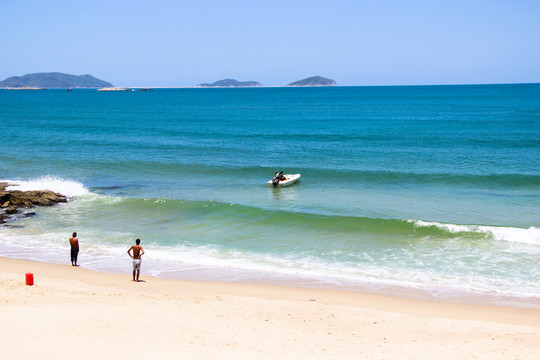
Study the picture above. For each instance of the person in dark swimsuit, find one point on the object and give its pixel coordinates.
(74, 242)
(275, 179)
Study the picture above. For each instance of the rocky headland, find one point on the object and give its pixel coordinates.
(11, 201)
(53, 80)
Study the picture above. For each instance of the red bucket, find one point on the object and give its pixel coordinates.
(29, 279)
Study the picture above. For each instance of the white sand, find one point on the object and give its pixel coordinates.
(76, 313)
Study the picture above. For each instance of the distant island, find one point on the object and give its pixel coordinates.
(314, 81)
(53, 80)
(231, 83)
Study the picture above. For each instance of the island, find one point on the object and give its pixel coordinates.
(314, 81)
(231, 83)
(53, 80)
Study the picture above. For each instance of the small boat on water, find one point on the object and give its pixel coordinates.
(289, 180)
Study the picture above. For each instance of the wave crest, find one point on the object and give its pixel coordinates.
(501, 233)
(69, 188)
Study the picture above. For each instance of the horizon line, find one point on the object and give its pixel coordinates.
(282, 86)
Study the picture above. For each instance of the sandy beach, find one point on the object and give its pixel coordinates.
(72, 312)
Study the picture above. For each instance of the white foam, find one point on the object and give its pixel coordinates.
(65, 187)
(453, 228)
(526, 236)
(501, 233)
(215, 263)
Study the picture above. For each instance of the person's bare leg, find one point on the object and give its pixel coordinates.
(133, 275)
(138, 272)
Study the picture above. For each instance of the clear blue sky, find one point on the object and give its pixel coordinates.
(184, 43)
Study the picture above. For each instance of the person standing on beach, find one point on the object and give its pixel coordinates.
(137, 253)
(74, 242)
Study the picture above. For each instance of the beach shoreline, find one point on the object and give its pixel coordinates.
(69, 306)
(258, 278)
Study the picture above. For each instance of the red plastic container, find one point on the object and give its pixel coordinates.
(29, 279)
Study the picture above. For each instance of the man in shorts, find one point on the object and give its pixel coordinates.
(137, 253)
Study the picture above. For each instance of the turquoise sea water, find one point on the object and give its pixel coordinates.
(424, 191)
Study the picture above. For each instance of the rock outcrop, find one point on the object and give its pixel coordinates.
(12, 200)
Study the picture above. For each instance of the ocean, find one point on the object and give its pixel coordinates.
(428, 192)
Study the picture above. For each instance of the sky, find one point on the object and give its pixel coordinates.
(166, 43)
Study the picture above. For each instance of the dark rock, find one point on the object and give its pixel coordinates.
(12, 211)
(12, 200)
(26, 199)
